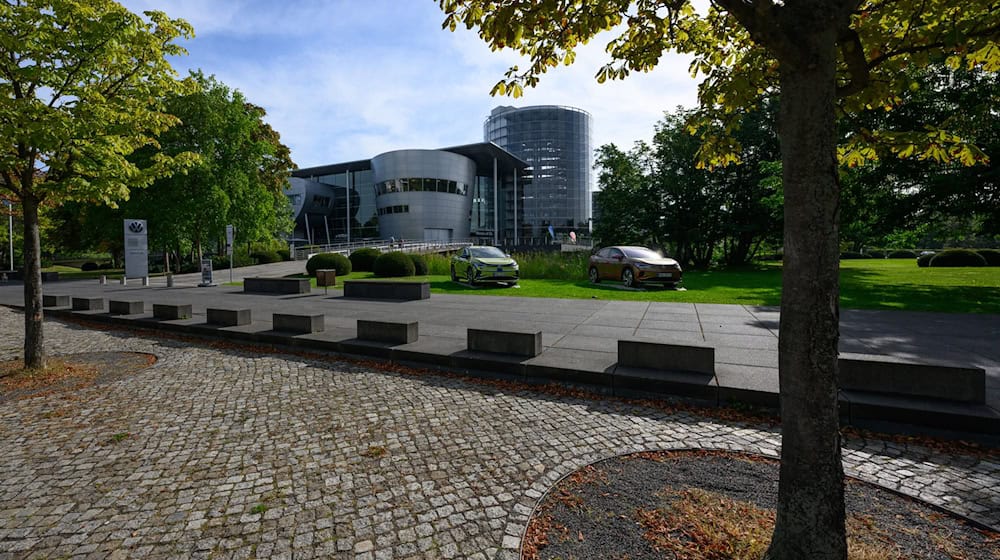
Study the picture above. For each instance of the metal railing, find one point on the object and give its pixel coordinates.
(384, 245)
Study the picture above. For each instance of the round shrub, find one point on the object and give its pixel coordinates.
(285, 254)
(266, 257)
(106, 266)
(875, 254)
(88, 266)
(419, 264)
(902, 255)
(958, 257)
(923, 261)
(326, 261)
(851, 255)
(394, 264)
(992, 256)
(363, 259)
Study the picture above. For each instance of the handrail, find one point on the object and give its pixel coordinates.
(420, 247)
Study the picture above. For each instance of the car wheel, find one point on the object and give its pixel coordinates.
(454, 277)
(470, 276)
(595, 278)
(628, 278)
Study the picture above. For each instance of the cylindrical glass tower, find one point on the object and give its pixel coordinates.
(555, 142)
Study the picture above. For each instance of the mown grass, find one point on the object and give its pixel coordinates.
(865, 284)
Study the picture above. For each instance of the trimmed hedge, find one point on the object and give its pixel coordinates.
(285, 254)
(419, 264)
(88, 266)
(902, 255)
(266, 257)
(850, 255)
(394, 264)
(363, 259)
(958, 257)
(992, 256)
(324, 261)
(923, 261)
(875, 254)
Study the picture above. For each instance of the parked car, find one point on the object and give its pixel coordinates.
(633, 266)
(484, 264)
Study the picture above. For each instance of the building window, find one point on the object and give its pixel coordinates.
(419, 184)
(399, 209)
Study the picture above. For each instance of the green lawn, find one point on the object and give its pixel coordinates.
(865, 284)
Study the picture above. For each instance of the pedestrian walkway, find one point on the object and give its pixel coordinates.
(237, 453)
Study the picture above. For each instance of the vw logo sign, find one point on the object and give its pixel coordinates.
(135, 227)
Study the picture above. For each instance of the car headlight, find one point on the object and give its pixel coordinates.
(513, 265)
(643, 265)
(477, 264)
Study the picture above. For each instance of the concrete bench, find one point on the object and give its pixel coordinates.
(116, 307)
(666, 357)
(171, 311)
(885, 374)
(303, 324)
(88, 304)
(375, 289)
(277, 285)
(387, 331)
(227, 317)
(54, 300)
(519, 343)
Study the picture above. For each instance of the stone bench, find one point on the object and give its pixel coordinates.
(302, 324)
(54, 300)
(228, 317)
(171, 311)
(519, 343)
(894, 376)
(277, 285)
(116, 307)
(387, 331)
(666, 357)
(88, 304)
(377, 289)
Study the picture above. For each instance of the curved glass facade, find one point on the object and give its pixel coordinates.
(555, 142)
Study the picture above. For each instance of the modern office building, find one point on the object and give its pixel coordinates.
(555, 142)
(438, 195)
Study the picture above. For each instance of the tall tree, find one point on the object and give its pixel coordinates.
(81, 84)
(821, 57)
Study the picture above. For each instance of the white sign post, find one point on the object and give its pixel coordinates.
(136, 249)
(230, 235)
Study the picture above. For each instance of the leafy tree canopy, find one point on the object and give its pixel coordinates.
(877, 46)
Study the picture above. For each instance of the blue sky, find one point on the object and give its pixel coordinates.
(348, 79)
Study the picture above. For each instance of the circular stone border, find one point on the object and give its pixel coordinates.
(111, 366)
(517, 524)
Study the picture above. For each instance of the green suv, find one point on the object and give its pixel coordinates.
(481, 264)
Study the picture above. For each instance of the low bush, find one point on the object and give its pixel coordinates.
(392, 265)
(438, 263)
(851, 255)
(88, 266)
(875, 255)
(106, 266)
(265, 257)
(958, 257)
(923, 261)
(419, 264)
(553, 266)
(363, 259)
(285, 254)
(992, 256)
(221, 262)
(326, 261)
(902, 255)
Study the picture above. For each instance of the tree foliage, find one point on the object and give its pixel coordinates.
(81, 88)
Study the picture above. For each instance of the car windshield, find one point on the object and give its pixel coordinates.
(640, 253)
(486, 252)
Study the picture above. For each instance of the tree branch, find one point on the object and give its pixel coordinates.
(857, 64)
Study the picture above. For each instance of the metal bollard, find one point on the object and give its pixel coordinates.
(145, 280)
(103, 279)
(170, 280)
(124, 281)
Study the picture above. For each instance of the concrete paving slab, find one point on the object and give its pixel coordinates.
(766, 342)
(668, 337)
(604, 332)
(591, 343)
(727, 327)
(746, 356)
(675, 325)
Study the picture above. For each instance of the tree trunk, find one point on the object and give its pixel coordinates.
(34, 352)
(810, 516)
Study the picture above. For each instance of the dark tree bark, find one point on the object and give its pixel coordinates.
(34, 352)
(810, 515)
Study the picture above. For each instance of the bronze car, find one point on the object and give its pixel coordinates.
(633, 266)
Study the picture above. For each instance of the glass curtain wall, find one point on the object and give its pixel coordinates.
(362, 215)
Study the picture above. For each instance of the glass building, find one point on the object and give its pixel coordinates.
(427, 195)
(555, 142)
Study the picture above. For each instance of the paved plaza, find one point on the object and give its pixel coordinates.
(229, 452)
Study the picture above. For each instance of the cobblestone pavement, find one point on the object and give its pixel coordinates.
(231, 453)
